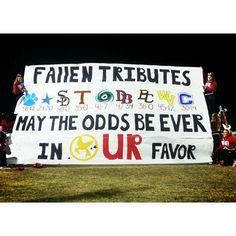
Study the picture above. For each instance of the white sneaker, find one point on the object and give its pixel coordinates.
(234, 164)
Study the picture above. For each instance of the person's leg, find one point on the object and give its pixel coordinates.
(216, 143)
(211, 105)
(3, 159)
(208, 105)
(221, 157)
(231, 157)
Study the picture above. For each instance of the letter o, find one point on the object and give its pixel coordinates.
(87, 119)
(182, 152)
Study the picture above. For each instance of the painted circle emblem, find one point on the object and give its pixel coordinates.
(84, 147)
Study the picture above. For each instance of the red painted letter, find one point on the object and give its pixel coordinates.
(132, 146)
(106, 152)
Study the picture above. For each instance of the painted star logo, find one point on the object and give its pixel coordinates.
(46, 99)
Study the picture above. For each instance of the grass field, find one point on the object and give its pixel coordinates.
(139, 183)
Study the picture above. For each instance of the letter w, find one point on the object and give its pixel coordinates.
(165, 95)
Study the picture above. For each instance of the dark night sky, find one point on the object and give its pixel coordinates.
(214, 52)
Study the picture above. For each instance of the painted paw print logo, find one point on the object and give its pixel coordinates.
(30, 99)
(84, 147)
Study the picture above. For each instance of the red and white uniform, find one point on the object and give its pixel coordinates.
(210, 86)
(228, 143)
(18, 88)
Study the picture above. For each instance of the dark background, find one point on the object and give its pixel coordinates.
(214, 52)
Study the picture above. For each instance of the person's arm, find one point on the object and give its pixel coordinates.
(22, 88)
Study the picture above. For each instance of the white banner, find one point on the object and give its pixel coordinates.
(98, 113)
